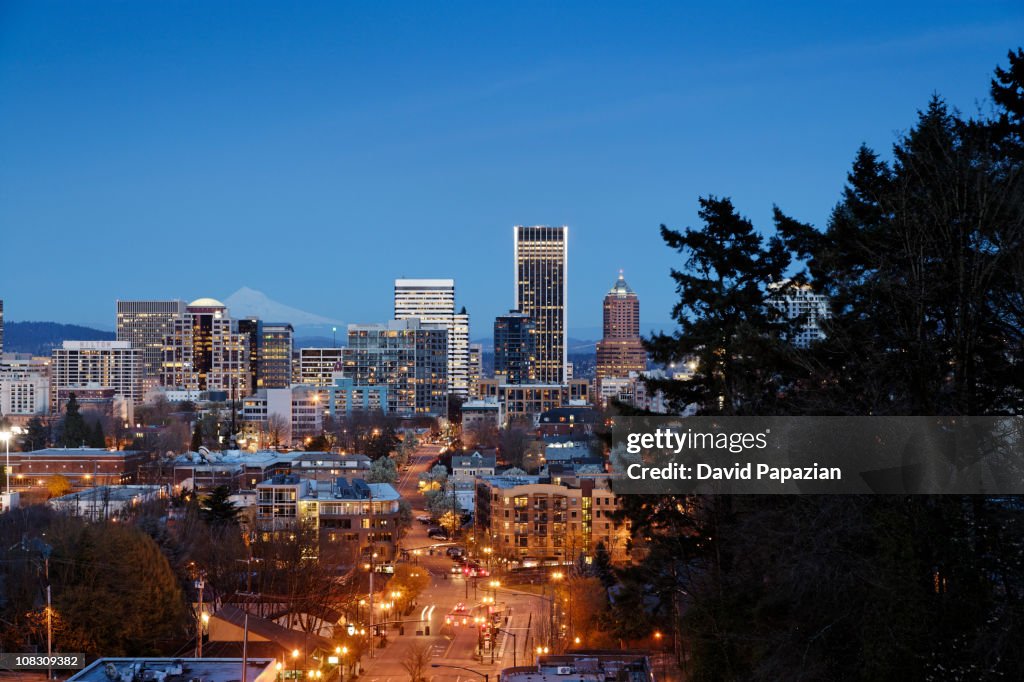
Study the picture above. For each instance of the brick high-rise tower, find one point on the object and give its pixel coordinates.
(621, 351)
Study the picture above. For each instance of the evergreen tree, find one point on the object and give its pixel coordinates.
(97, 439)
(923, 264)
(197, 437)
(38, 436)
(725, 324)
(74, 431)
(217, 509)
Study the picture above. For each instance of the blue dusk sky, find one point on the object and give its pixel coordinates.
(317, 151)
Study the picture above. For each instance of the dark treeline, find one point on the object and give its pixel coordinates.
(922, 260)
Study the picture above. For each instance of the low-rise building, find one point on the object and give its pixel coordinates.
(107, 501)
(585, 666)
(82, 467)
(529, 516)
(480, 415)
(177, 670)
(526, 402)
(349, 517)
(240, 470)
(468, 467)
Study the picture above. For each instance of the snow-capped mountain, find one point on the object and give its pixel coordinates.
(248, 302)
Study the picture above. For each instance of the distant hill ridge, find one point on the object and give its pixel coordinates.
(39, 338)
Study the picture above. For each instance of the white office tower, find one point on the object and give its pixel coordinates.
(433, 302)
(95, 370)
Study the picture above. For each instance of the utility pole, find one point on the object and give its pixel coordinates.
(200, 584)
(373, 555)
(49, 617)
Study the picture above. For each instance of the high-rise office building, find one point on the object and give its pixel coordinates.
(541, 284)
(252, 329)
(270, 353)
(24, 384)
(1, 325)
(515, 348)
(476, 366)
(98, 367)
(318, 365)
(203, 352)
(408, 356)
(458, 355)
(145, 325)
(433, 302)
(621, 350)
(275, 359)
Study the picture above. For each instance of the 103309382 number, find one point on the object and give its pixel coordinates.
(41, 661)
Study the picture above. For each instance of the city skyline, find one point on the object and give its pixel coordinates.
(216, 146)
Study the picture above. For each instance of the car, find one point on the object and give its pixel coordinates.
(437, 533)
(454, 551)
(423, 518)
(456, 568)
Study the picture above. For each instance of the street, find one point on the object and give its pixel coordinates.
(453, 645)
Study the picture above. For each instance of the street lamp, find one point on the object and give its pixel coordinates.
(340, 652)
(5, 436)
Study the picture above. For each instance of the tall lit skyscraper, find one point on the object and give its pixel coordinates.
(145, 324)
(476, 366)
(204, 353)
(275, 358)
(433, 302)
(515, 348)
(541, 260)
(621, 351)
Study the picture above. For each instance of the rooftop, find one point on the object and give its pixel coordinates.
(510, 481)
(175, 670)
(111, 493)
(620, 288)
(206, 303)
(78, 452)
(474, 460)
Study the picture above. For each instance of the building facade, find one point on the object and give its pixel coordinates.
(82, 467)
(205, 353)
(409, 357)
(348, 517)
(515, 348)
(145, 325)
(24, 385)
(433, 302)
(270, 352)
(112, 367)
(476, 366)
(621, 350)
(318, 365)
(526, 516)
(274, 368)
(541, 291)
